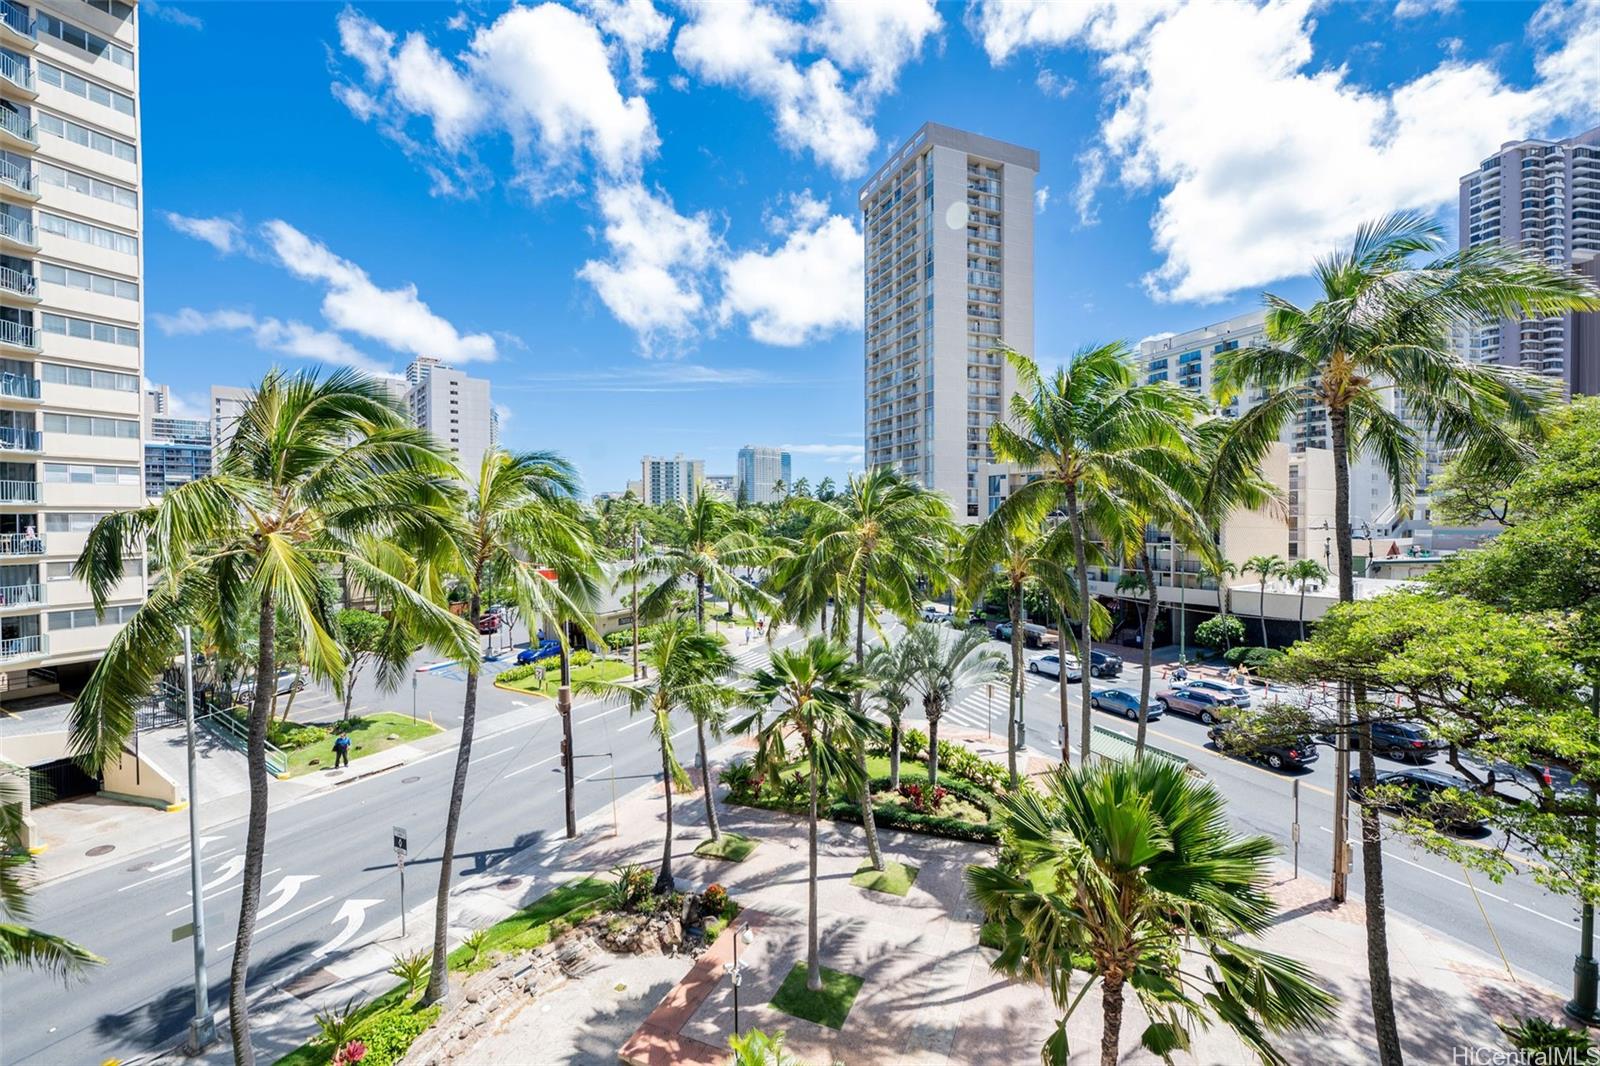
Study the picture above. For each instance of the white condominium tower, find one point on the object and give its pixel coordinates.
(948, 224)
(456, 409)
(1544, 196)
(674, 480)
(761, 469)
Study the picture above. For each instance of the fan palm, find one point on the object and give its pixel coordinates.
(1304, 572)
(944, 668)
(1098, 439)
(706, 542)
(522, 516)
(691, 671)
(806, 696)
(1126, 871)
(1266, 567)
(893, 669)
(872, 542)
(1381, 325)
(316, 467)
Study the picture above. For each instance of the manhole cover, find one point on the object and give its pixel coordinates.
(408, 780)
(101, 849)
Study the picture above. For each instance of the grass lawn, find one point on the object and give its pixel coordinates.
(732, 847)
(398, 1019)
(530, 927)
(599, 669)
(829, 1007)
(370, 733)
(895, 877)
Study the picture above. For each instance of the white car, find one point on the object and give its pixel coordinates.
(1238, 693)
(935, 614)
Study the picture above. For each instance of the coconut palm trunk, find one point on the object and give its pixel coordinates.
(1014, 703)
(1080, 562)
(813, 953)
(700, 727)
(894, 749)
(255, 843)
(1064, 624)
(1263, 607)
(1148, 650)
(1302, 608)
(664, 881)
(439, 976)
(933, 710)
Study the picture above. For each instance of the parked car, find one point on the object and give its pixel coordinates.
(1405, 741)
(489, 623)
(1289, 754)
(1121, 701)
(934, 613)
(1104, 664)
(1420, 785)
(1033, 636)
(1208, 707)
(1238, 693)
(546, 647)
(1050, 666)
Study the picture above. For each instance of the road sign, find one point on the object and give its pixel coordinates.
(183, 932)
(400, 839)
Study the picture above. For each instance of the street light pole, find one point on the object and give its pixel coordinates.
(1183, 589)
(203, 1028)
(1585, 971)
(735, 972)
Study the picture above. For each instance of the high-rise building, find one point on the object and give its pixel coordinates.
(455, 408)
(1545, 197)
(176, 452)
(227, 404)
(948, 226)
(71, 313)
(722, 484)
(674, 480)
(761, 470)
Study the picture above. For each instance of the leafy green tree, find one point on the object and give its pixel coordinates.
(21, 945)
(1265, 567)
(1219, 632)
(689, 670)
(1219, 570)
(806, 696)
(759, 1048)
(317, 468)
(521, 507)
(1124, 873)
(1304, 572)
(1098, 438)
(364, 637)
(894, 672)
(802, 488)
(1382, 324)
(946, 668)
(826, 490)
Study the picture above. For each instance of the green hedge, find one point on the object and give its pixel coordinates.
(1253, 658)
(956, 760)
(896, 817)
(389, 1035)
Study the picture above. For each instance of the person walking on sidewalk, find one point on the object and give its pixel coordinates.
(341, 750)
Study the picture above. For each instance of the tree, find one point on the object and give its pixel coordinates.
(690, 670)
(802, 488)
(1220, 570)
(1381, 324)
(1098, 438)
(1305, 572)
(1219, 632)
(945, 668)
(316, 468)
(522, 514)
(21, 945)
(894, 671)
(808, 692)
(870, 543)
(362, 636)
(1144, 873)
(826, 490)
(1266, 567)
(708, 541)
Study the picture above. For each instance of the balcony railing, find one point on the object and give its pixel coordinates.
(21, 544)
(17, 229)
(16, 72)
(18, 177)
(18, 281)
(21, 595)
(13, 123)
(17, 19)
(19, 386)
(20, 440)
(19, 492)
(18, 334)
(23, 647)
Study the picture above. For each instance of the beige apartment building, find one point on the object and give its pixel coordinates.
(71, 319)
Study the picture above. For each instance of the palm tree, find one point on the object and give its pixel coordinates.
(21, 945)
(523, 514)
(316, 466)
(945, 668)
(706, 542)
(1303, 572)
(1267, 567)
(809, 691)
(1382, 323)
(871, 543)
(1142, 873)
(894, 670)
(691, 671)
(1220, 570)
(1098, 438)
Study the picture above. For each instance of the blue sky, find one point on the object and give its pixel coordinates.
(639, 221)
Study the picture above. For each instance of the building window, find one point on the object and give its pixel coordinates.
(83, 474)
(86, 330)
(110, 192)
(88, 138)
(95, 235)
(90, 426)
(79, 37)
(71, 521)
(56, 374)
(88, 617)
(94, 93)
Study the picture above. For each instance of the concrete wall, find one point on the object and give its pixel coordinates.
(130, 778)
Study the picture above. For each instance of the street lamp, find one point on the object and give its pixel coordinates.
(735, 972)
(202, 1028)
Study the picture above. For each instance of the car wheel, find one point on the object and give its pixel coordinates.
(1094, 702)
(1133, 714)
(1163, 705)
(1206, 718)
(1033, 668)
(1275, 761)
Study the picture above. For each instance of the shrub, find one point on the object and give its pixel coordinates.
(350, 1054)
(389, 1035)
(337, 1025)
(517, 673)
(559, 927)
(622, 638)
(582, 657)
(634, 882)
(474, 943)
(740, 779)
(1219, 632)
(914, 744)
(1549, 1041)
(412, 968)
(897, 817)
(922, 800)
(1253, 659)
(290, 735)
(715, 898)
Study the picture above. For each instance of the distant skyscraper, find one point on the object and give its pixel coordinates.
(670, 480)
(1544, 196)
(227, 404)
(948, 226)
(455, 408)
(176, 450)
(761, 470)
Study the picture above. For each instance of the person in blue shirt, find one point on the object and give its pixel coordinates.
(341, 750)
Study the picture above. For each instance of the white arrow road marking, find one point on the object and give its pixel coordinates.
(208, 896)
(353, 913)
(183, 855)
(230, 869)
(291, 916)
(286, 890)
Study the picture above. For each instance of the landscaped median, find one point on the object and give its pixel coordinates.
(309, 745)
(526, 678)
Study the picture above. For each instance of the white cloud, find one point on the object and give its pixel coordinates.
(221, 233)
(805, 289)
(654, 279)
(1041, 198)
(270, 334)
(1052, 84)
(397, 318)
(636, 27)
(1266, 154)
(876, 37)
(175, 15)
(1410, 9)
(656, 377)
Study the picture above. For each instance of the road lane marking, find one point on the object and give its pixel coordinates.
(492, 754)
(594, 775)
(1540, 914)
(224, 890)
(353, 913)
(286, 890)
(635, 724)
(174, 873)
(223, 949)
(532, 766)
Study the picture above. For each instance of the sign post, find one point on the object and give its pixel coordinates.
(990, 690)
(400, 861)
(413, 699)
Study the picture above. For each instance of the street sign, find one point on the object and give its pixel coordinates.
(400, 839)
(183, 932)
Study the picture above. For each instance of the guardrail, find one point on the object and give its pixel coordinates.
(233, 733)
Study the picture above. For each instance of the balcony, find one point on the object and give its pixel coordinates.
(20, 440)
(19, 491)
(18, 335)
(18, 233)
(18, 76)
(18, 182)
(14, 544)
(19, 284)
(17, 132)
(14, 648)
(30, 595)
(17, 30)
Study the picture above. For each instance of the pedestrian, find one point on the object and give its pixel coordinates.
(341, 750)
(747, 634)
(761, 625)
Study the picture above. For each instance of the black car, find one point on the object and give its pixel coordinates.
(1280, 754)
(1104, 664)
(1420, 785)
(1402, 740)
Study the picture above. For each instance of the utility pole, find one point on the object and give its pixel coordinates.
(1341, 799)
(635, 611)
(203, 1027)
(1585, 971)
(1183, 588)
(564, 709)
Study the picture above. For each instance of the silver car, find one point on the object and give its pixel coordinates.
(1237, 693)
